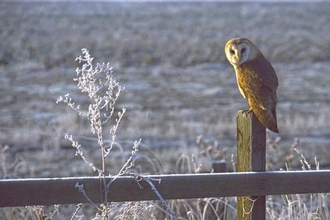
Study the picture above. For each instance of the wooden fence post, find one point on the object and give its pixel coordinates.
(251, 156)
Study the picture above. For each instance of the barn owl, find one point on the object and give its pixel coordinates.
(256, 79)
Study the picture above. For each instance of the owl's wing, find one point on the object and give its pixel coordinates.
(260, 93)
(264, 69)
(255, 91)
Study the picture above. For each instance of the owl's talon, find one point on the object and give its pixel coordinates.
(246, 112)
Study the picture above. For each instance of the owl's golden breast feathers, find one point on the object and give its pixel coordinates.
(256, 79)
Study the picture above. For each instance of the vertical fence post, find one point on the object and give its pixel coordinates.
(251, 156)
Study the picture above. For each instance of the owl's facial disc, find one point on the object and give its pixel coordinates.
(238, 54)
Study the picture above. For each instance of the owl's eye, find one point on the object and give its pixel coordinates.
(232, 52)
(243, 50)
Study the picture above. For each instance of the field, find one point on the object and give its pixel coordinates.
(178, 83)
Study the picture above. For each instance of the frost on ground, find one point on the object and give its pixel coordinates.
(170, 58)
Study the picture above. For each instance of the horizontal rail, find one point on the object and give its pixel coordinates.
(48, 191)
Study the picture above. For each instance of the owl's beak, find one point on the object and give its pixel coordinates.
(237, 55)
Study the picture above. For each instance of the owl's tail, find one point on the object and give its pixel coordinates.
(267, 118)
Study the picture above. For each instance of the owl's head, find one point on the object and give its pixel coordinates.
(240, 50)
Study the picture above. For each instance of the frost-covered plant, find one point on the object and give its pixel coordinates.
(103, 91)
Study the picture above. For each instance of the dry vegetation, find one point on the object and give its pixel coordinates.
(178, 84)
